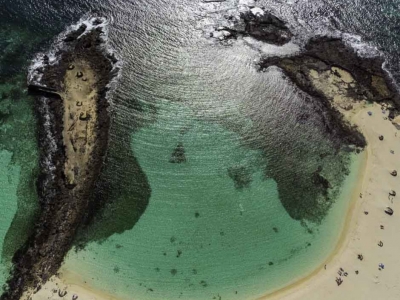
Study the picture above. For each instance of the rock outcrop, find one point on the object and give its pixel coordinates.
(73, 110)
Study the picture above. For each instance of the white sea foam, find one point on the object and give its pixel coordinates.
(366, 50)
(257, 11)
(54, 54)
(390, 76)
(363, 49)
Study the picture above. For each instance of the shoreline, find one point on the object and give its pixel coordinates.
(76, 285)
(322, 281)
(309, 282)
(343, 238)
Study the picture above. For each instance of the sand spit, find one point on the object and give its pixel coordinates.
(72, 92)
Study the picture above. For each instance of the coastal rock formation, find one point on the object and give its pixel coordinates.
(332, 76)
(74, 122)
(262, 26)
(257, 23)
(337, 75)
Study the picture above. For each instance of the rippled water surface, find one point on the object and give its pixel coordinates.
(239, 215)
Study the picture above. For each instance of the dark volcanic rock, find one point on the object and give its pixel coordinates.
(332, 76)
(263, 27)
(266, 28)
(320, 180)
(325, 54)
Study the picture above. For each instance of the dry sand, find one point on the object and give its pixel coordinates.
(362, 232)
(73, 284)
(80, 114)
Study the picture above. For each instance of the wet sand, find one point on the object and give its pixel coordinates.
(73, 284)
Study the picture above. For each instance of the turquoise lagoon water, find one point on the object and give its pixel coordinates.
(18, 164)
(201, 237)
(9, 178)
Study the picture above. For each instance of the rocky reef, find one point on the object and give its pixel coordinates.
(178, 155)
(333, 72)
(73, 122)
(259, 24)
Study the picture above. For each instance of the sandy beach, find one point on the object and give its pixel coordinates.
(70, 285)
(367, 240)
(363, 233)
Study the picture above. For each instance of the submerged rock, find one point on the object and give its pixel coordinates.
(320, 180)
(178, 156)
(241, 177)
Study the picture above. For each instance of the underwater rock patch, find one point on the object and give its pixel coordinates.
(178, 155)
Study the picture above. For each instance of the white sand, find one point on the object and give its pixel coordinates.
(74, 285)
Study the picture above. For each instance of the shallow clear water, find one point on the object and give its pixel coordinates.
(247, 151)
(202, 237)
(9, 178)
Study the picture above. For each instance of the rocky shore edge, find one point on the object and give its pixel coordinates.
(62, 209)
(333, 73)
(321, 59)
